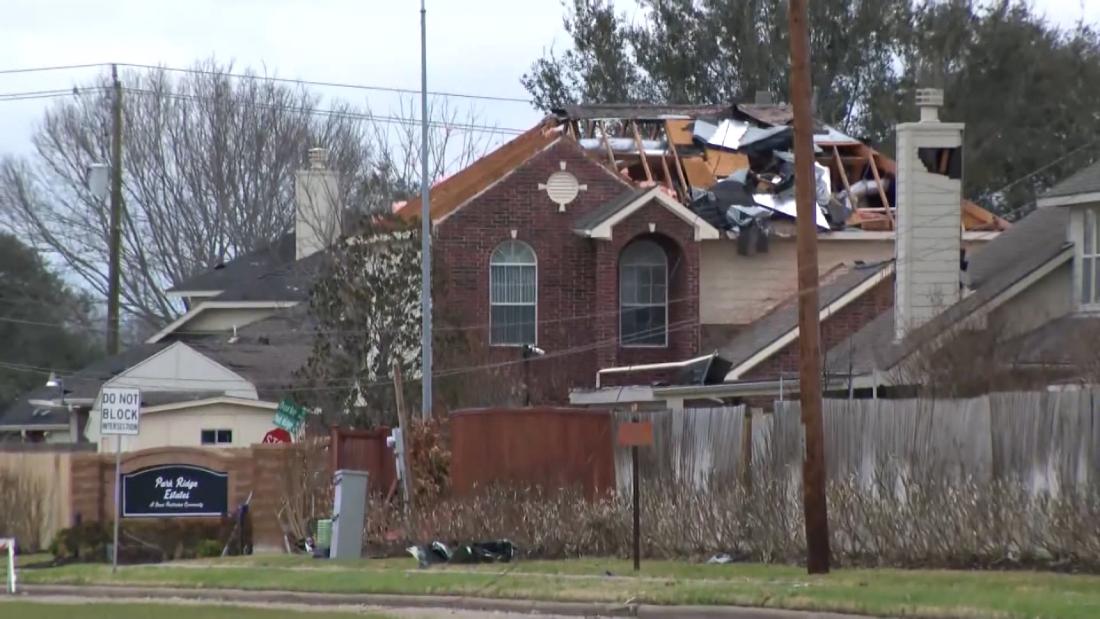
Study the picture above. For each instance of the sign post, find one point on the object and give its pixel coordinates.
(119, 411)
(634, 434)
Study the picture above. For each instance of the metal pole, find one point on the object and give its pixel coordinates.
(115, 259)
(118, 500)
(425, 230)
(637, 519)
(809, 386)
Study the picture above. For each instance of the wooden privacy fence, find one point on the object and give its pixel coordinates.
(365, 450)
(1049, 441)
(547, 447)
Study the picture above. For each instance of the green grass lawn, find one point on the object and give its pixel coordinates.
(40, 610)
(912, 593)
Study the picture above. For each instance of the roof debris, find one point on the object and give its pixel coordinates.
(733, 165)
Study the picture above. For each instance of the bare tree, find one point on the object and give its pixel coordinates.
(208, 173)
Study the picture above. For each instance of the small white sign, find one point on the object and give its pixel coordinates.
(119, 410)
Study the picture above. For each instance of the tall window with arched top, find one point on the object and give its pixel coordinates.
(513, 294)
(643, 295)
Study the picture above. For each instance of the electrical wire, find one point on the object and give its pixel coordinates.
(391, 89)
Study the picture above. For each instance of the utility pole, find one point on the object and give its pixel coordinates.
(113, 274)
(425, 231)
(809, 334)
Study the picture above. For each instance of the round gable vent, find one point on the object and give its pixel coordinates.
(562, 187)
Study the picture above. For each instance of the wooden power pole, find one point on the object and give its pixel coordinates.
(809, 334)
(113, 274)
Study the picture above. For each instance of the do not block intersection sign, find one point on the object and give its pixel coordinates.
(119, 410)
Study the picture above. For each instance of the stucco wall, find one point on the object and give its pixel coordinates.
(183, 428)
(736, 289)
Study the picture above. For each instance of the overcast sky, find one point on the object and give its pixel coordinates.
(474, 46)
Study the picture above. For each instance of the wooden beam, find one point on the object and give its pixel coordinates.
(641, 150)
(607, 144)
(668, 173)
(676, 162)
(881, 190)
(844, 177)
(945, 158)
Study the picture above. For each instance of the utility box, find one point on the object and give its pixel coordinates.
(349, 508)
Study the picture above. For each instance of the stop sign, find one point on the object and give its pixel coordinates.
(278, 435)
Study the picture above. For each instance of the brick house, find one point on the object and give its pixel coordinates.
(553, 266)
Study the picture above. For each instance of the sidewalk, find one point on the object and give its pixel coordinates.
(428, 603)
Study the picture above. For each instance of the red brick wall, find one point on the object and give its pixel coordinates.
(834, 330)
(577, 277)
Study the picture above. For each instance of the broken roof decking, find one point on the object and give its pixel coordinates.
(688, 163)
(1032, 247)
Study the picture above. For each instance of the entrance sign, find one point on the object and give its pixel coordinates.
(119, 410)
(289, 416)
(174, 490)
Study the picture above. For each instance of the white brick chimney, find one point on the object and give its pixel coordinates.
(317, 205)
(929, 154)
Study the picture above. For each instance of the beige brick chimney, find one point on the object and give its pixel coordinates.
(929, 199)
(317, 205)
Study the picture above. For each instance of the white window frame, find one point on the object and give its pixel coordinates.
(1088, 233)
(535, 264)
(668, 284)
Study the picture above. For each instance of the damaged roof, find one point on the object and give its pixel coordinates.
(452, 192)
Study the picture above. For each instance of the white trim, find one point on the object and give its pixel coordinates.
(499, 180)
(703, 230)
(175, 406)
(1070, 200)
(205, 305)
(790, 336)
(622, 369)
(513, 239)
(194, 294)
(890, 235)
(34, 428)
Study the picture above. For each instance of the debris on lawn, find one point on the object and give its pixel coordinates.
(496, 551)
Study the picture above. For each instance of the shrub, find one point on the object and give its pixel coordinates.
(22, 508)
(209, 548)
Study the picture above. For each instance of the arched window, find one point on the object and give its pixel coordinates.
(513, 294)
(643, 295)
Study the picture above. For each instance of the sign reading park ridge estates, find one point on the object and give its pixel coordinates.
(174, 490)
(119, 411)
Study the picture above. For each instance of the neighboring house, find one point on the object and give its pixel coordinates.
(215, 375)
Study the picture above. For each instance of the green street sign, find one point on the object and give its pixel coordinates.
(289, 416)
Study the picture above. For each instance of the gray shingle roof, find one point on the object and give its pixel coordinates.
(600, 214)
(1009, 258)
(291, 281)
(784, 318)
(242, 268)
(1085, 180)
(268, 352)
(83, 383)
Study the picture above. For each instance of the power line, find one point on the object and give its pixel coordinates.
(348, 85)
(337, 113)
